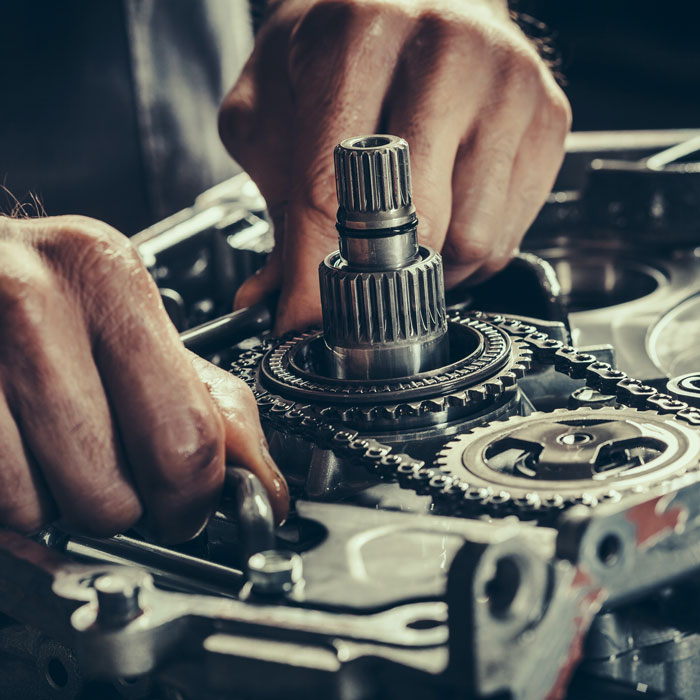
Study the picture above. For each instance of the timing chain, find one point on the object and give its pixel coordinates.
(302, 420)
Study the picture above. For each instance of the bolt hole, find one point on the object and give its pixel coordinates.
(570, 439)
(371, 142)
(609, 550)
(56, 674)
(502, 589)
(129, 680)
(423, 624)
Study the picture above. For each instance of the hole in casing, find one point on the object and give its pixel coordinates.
(609, 550)
(502, 589)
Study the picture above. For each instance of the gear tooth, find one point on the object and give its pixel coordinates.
(435, 405)
(459, 399)
(494, 386)
(509, 379)
(346, 413)
(477, 393)
(415, 408)
(366, 415)
(331, 413)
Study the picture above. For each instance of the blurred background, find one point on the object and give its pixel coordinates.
(627, 65)
(127, 91)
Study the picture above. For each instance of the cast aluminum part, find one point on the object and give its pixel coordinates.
(382, 293)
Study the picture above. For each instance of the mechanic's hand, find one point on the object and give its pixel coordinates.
(484, 118)
(103, 414)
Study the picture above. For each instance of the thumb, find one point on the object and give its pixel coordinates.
(310, 237)
(263, 283)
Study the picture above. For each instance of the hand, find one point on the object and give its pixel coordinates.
(104, 417)
(483, 116)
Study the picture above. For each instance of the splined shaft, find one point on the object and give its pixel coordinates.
(382, 294)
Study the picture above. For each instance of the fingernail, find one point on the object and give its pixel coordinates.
(267, 458)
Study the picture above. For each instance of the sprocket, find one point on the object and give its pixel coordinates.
(486, 362)
(547, 461)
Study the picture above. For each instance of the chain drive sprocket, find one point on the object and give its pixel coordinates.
(451, 493)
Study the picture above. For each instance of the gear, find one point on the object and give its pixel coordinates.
(649, 438)
(544, 461)
(486, 362)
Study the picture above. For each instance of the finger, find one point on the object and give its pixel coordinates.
(56, 393)
(335, 50)
(480, 183)
(245, 441)
(537, 163)
(171, 432)
(254, 117)
(432, 125)
(253, 124)
(263, 283)
(487, 216)
(25, 504)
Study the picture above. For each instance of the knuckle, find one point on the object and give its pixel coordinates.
(447, 33)
(27, 289)
(325, 18)
(192, 467)
(27, 517)
(521, 71)
(329, 26)
(111, 511)
(87, 252)
(237, 123)
(466, 251)
(93, 237)
(557, 114)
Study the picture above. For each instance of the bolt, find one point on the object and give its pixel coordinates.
(117, 600)
(274, 571)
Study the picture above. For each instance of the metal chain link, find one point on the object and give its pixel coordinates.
(380, 459)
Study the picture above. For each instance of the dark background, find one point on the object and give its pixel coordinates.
(627, 65)
(66, 106)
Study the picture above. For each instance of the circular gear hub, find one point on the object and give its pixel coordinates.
(553, 460)
(485, 363)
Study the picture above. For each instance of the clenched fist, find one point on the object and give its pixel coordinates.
(484, 118)
(104, 416)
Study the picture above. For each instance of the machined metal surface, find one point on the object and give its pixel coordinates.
(587, 455)
(382, 294)
(373, 182)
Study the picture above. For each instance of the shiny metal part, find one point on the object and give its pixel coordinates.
(686, 388)
(380, 252)
(117, 600)
(274, 571)
(373, 182)
(382, 294)
(551, 461)
(251, 510)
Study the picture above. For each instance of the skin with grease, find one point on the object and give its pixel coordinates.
(105, 419)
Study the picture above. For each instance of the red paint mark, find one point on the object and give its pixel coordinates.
(591, 601)
(652, 519)
(581, 578)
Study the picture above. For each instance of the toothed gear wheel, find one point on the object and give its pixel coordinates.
(548, 461)
(487, 360)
